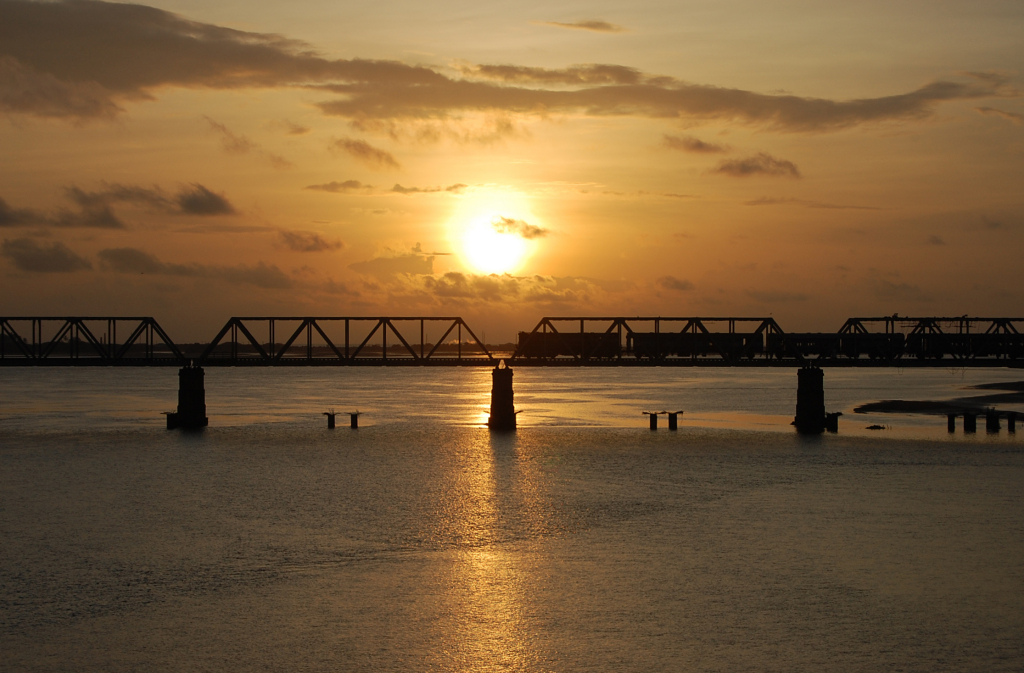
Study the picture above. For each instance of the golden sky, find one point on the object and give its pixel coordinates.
(503, 161)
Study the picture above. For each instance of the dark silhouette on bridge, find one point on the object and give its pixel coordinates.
(554, 341)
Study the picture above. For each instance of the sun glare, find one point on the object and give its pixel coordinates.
(487, 232)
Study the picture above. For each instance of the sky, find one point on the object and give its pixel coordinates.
(807, 160)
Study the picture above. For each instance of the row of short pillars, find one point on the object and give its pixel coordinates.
(353, 419)
(673, 418)
(992, 423)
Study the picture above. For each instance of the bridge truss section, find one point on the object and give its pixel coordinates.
(83, 341)
(345, 340)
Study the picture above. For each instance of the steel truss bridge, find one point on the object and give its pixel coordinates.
(555, 341)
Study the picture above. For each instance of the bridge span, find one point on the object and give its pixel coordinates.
(448, 341)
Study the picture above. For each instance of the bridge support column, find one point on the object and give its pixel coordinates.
(992, 421)
(970, 422)
(191, 414)
(673, 420)
(951, 423)
(503, 412)
(810, 400)
(1011, 422)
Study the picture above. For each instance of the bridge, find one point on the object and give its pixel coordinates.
(588, 341)
(554, 342)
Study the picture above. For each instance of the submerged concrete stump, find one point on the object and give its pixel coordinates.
(191, 414)
(992, 421)
(810, 400)
(503, 411)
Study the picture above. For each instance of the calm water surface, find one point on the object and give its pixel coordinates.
(423, 542)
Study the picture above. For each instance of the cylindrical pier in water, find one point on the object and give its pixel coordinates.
(354, 421)
(1011, 422)
(951, 423)
(810, 400)
(654, 421)
(330, 419)
(673, 420)
(992, 421)
(970, 422)
(503, 411)
(191, 413)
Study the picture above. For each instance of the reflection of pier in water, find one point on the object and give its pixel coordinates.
(554, 341)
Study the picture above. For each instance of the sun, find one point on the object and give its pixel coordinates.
(490, 250)
(490, 232)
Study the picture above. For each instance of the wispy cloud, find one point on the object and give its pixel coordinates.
(1013, 117)
(457, 188)
(412, 263)
(509, 225)
(759, 164)
(692, 144)
(341, 187)
(674, 284)
(308, 241)
(135, 261)
(234, 143)
(29, 255)
(365, 152)
(594, 26)
(69, 61)
(806, 203)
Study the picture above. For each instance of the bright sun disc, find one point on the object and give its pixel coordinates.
(493, 251)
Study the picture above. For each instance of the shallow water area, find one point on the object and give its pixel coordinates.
(422, 541)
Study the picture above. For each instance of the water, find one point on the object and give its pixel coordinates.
(423, 542)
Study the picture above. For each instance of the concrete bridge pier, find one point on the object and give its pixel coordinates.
(191, 414)
(810, 400)
(503, 411)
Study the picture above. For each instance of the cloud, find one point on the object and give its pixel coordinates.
(779, 201)
(508, 225)
(675, 284)
(595, 26)
(238, 144)
(759, 164)
(936, 240)
(84, 59)
(201, 201)
(386, 267)
(19, 217)
(586, 73)
(887, 289)
(776, 296)
(135, 261)
(340, 187)
(96, 207)
(454, 189)
(363, 151)
(691, 144)
(308, 241)
(28, 255)
(1013, 117)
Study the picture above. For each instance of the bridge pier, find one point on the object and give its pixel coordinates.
(503, 412)
(970, 422)
(992, 421)
(810, 403)
(191, 414)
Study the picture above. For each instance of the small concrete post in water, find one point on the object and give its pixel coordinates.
(673, 420)
(330, 419)
(1011, 422)
(191, 414)
(810, 400)
(951, 423)
(503, 410)
(992, 420)
(654, 419)
(354, 420)
(970, 422)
